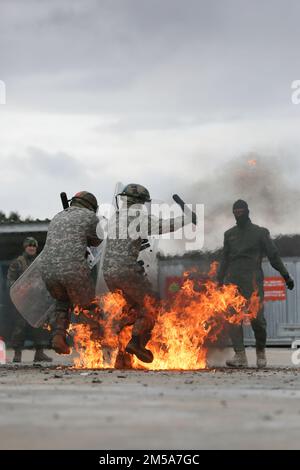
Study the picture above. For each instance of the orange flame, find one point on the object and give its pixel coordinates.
(195, 316)
(252, 162)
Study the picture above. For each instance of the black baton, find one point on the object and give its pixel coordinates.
(64, 200)
(186, 209)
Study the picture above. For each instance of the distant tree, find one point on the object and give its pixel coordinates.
(14, 217)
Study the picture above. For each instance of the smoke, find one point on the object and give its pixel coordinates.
(267, 183)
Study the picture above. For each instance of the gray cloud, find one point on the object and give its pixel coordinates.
(210, 59)
(33, 181)
(57, 165)
(164, 93)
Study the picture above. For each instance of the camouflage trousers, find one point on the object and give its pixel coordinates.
(69, 289)
(135, 287)
(22, 330)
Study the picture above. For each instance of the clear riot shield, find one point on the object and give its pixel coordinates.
(101, 287)
(31, 298)
(148, 255)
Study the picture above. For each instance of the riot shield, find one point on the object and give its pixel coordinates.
(101, 287)
(149, 253)
(31, 298)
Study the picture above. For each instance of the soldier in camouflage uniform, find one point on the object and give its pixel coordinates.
(21, 327)
(121, 270)
(245, 245)
(63, 263)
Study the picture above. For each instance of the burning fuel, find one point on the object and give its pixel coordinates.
(185, 325)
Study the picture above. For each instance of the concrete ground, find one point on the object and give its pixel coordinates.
(58, 407)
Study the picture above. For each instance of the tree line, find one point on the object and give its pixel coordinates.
(14, 217)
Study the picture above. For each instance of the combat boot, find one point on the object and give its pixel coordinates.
(261, 360)
(238, 361)
(60, 345)
(135, 347)
(17, 356)
(123, 361)
(40, 356)
(59, 332)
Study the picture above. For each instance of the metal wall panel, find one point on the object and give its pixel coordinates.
(280, 313)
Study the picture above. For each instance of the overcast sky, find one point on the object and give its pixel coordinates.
(159, 92)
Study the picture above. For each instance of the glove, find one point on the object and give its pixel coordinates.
(289, 282)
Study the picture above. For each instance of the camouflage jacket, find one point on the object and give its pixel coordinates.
(124, 239)
(17, 267)
(70, 233)
(243, 252)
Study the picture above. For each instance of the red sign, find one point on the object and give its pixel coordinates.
(274, 288)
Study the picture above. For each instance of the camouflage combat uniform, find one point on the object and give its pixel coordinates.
(63, 263)
(21, 327)
(120, 268)
(241, 264)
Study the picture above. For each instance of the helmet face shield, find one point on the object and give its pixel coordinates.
(137, 193)
(124, 202)
(147, 206)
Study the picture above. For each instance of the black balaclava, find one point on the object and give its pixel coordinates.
(241, 212)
